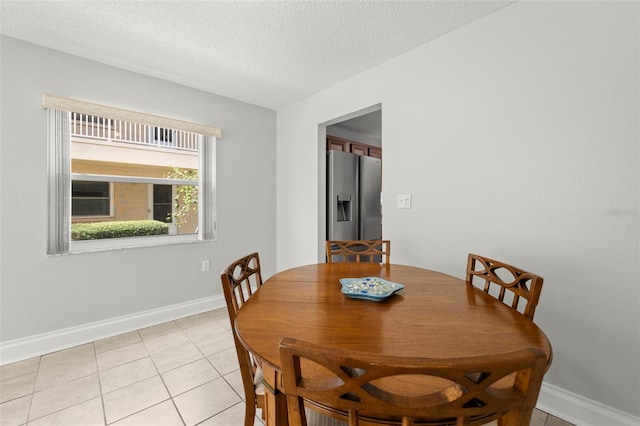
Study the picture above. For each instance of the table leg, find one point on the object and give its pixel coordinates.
(275, 401)
(516, 418)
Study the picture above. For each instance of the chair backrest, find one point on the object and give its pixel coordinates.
(358, 250)
(500, 279)
(240, 280)
(370, 386)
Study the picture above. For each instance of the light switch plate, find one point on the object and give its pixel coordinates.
(404, 201)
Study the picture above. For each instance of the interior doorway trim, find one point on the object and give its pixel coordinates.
(322, 172)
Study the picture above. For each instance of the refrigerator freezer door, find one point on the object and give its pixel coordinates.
(370, 178)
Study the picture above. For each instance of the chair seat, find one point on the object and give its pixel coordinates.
(314, 418)
(258, 381)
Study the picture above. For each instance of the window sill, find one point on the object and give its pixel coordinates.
(131, 242)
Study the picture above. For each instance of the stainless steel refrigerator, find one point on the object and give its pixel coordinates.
(353, 197)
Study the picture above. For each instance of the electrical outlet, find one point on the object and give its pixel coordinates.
(404, 201)
(205, 265)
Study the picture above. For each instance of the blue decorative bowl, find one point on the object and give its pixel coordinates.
(370, 288)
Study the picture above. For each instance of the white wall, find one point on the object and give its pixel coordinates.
(517, 136)
(44, 295)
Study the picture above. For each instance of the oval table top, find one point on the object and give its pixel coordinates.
(435, 315)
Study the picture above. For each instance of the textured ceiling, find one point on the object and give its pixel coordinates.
(268, 53)
(369, 125)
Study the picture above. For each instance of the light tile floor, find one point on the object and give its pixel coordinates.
(182, 372)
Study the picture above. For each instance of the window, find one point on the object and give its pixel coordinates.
(111, 168)
(90, 198)
(163, 203)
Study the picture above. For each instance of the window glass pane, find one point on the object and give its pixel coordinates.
(185, 207)
(90, 189)
(89, 207)
(90, 198)
(125, 154)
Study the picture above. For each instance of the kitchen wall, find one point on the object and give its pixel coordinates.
(517, 136)
(56, 301)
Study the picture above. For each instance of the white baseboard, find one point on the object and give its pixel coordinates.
(556, 401)
(28, 347)
(581, 411)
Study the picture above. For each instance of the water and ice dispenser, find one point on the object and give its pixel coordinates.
(343, 214)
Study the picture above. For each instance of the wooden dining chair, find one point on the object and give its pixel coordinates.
(368, 387)
(500, 279)
(358, 250)
(240, 280)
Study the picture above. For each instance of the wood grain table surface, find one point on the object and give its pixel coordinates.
(435, 315)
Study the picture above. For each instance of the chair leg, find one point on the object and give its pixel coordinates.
(249, 414)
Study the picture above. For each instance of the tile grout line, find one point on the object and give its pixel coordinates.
(130, 384)
(33, 390)
(165, 384)
(104, 411)
(213, 366)
(170, 396)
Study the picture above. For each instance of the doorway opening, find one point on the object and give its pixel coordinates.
(350, 157)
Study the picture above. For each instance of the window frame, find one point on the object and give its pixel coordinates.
(60, 177)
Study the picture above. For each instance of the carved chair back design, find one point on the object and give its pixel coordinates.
(471, 390)
(500, 279)
(358, 250)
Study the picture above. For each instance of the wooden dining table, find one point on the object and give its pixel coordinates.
(435, 315)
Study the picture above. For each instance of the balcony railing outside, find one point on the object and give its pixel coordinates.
(91, 126)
